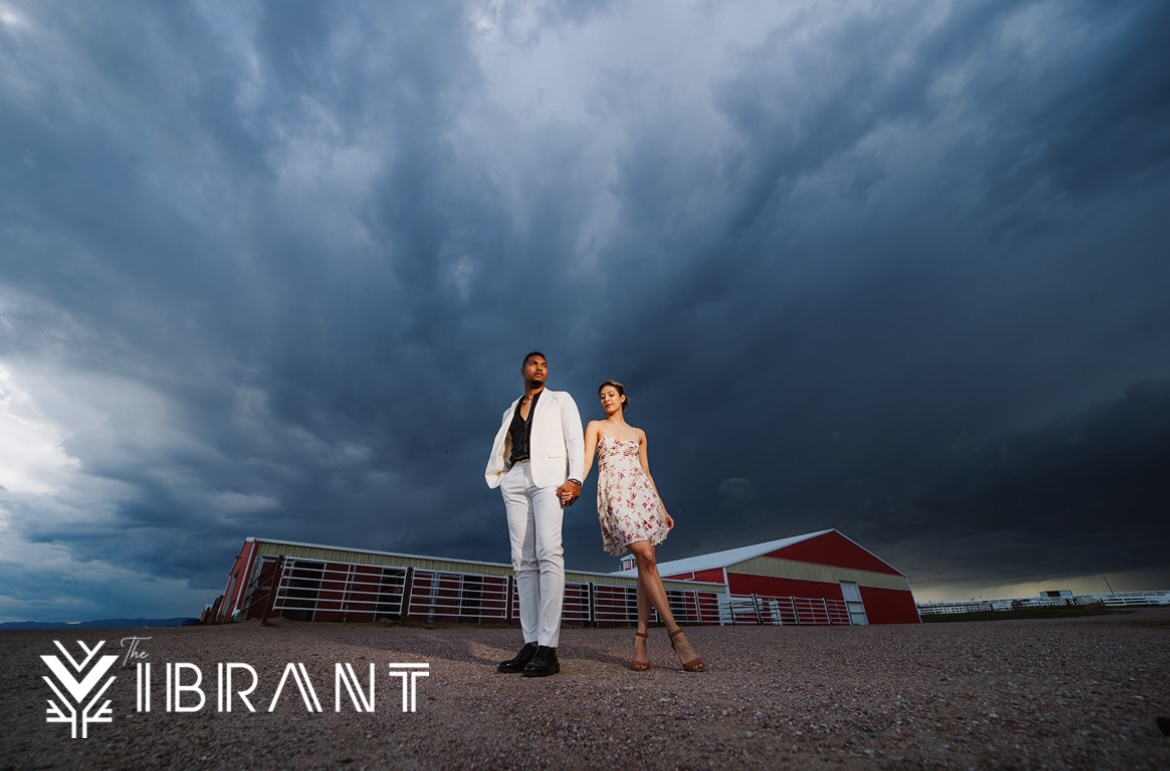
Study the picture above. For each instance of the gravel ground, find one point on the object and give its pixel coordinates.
(1076, 693)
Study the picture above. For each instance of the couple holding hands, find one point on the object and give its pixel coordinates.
(539, 459)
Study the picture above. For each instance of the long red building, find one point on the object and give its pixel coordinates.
(817, 578)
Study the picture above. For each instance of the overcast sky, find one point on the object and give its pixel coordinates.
(899, 269)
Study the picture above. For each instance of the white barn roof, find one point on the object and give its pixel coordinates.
(720, 559)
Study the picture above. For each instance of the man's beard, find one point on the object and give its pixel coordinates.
(533, 384)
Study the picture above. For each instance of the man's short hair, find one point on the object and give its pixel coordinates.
(534, 353)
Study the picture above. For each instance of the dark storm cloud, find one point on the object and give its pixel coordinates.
(821, 342)
(329, 379)
(270, 270)
(1090, 491)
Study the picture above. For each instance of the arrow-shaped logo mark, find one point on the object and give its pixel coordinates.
(75, 712)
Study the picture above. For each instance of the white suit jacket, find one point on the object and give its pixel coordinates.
(556, 443)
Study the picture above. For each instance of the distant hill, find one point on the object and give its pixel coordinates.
(105, 623)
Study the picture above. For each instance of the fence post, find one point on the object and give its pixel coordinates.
(756, 605)
(276, 576)
(508, 600)
(347, 592)
(407, 593)
(433, 600)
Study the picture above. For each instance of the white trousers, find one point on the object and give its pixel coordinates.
(538, 558)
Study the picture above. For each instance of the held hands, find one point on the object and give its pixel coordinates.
(569, 492)
(669, 520)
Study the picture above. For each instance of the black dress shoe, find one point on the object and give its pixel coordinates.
(517, 662)
(544, 663)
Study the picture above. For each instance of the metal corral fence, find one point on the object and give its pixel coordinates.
(313, 590)
(1111, 600)
(758, 609)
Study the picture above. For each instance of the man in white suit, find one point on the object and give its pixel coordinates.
(538, 454)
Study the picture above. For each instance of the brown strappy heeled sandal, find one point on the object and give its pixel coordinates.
(641, 666)
(694, 665)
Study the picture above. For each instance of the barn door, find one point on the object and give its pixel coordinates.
(853, 603)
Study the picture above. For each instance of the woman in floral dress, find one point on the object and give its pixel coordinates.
(632, 515)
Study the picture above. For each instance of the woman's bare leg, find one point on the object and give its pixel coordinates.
(643, 609)
(641, 656)
(650, 586)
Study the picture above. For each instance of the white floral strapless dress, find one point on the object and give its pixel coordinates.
(627, 506)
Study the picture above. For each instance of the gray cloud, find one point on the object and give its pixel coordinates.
(737, 490)
(271, 272)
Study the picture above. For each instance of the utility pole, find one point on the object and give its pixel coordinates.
(1107, 584)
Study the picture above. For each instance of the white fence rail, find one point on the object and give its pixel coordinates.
(1133, 599)
(760, 609)
(442, 596)
(1113, 600)
(315, 590)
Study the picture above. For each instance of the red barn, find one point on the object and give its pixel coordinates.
(818, 578)
(795, 580)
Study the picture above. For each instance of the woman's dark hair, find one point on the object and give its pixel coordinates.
(621, 389)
